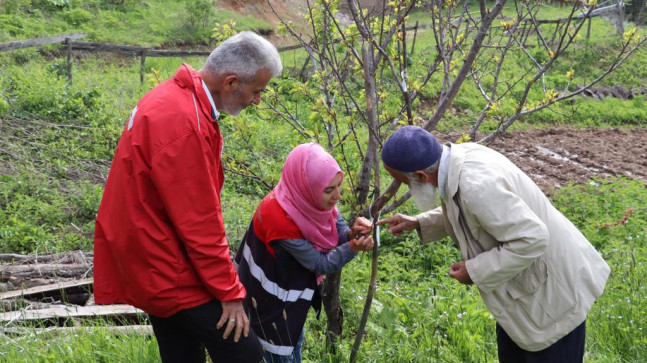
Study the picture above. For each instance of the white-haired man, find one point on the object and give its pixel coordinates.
(160, 240)
(535, 271)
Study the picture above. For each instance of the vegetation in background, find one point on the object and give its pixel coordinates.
(136, 22)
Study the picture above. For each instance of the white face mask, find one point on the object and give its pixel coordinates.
(424, 195)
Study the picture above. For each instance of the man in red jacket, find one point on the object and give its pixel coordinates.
(160, 240)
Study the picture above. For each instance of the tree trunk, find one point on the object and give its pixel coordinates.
(334, 312)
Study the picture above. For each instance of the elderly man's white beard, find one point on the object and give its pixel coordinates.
(424, 195)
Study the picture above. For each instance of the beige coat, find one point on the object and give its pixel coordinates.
(535, 271)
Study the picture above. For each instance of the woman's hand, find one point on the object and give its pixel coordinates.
(363, 243)
(362, 226)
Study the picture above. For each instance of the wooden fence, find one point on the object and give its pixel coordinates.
(129, 50)
(68, 40)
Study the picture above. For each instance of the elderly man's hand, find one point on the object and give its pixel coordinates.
(233, 317)
(399, 223)
(458, 270)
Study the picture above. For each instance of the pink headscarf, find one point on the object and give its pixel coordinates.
(306, 173)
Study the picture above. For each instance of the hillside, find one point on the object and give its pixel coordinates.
(293, 11)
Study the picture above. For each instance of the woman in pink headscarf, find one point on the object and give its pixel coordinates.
(295, 238)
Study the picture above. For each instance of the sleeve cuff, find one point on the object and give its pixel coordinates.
(432, 225)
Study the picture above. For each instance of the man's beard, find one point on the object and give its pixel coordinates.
(231, 104)
(424, 195)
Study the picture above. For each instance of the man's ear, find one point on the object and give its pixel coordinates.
(421, 176)
(230, 82)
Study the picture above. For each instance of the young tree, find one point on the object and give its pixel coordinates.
(366, 77)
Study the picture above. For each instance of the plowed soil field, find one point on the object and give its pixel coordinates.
(555, 157)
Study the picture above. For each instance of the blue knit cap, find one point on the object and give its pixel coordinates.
(411, 148)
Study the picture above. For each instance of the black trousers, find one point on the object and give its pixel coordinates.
(184, 336)
(569, 349)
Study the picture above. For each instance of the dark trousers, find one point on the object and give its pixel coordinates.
(569, 349)
(184, 336)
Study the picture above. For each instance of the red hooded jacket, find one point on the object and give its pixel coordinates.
(159, 241)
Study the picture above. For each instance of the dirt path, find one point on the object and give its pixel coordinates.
(555, 157)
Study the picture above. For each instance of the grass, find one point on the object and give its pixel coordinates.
(88, 344)
(156, 23)
(419, 314)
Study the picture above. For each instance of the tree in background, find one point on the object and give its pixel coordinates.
(366, 80)
(636, 11)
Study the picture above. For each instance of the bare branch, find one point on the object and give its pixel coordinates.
(467, 65)
(624, 54)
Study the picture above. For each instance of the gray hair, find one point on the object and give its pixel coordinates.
(244, 54)
(430, 169)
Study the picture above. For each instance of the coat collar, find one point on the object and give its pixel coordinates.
(189, 78)
(453, 171)
(214, 111)
(442, 171)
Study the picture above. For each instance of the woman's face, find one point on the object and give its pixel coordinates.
(331, 193)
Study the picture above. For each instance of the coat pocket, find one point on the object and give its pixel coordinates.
(538, 296)
(529, 280)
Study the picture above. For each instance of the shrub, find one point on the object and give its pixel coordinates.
(12, 25)
(52, 4)
(77, 17)
(4, 106)
(199, 17)
(13, 6)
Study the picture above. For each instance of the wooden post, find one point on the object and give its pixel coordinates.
(302, 72)
(142, 65)
(68, 43)
(620, 28)
(407, 98)
(522, 35)
(413, 42)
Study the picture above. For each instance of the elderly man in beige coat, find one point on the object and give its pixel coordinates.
(535, 271)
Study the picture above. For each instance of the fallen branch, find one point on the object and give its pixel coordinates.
(67, 257)
(71, 312)
(17, 304)
(62, 287)
(40, 270)
(621, 221)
